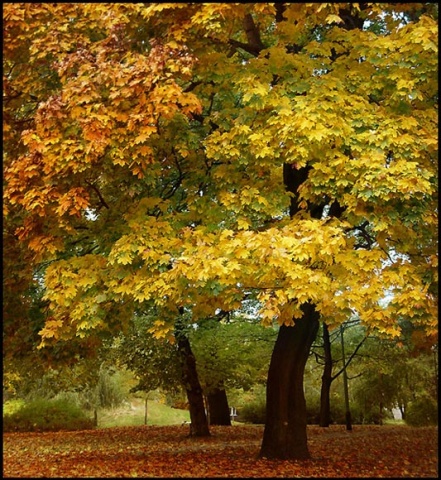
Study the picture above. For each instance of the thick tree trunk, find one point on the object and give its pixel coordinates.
(199, 422)
(285, 429)
(284, 436)
(198, 418)
(325, 405)
(218, 407)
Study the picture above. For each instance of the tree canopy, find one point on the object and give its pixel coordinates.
(144, 152)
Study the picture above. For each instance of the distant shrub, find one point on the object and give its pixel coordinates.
(12, 406)
(110, 391)
(42, 415)
(253, 412)
(422, 412)
(360, 414)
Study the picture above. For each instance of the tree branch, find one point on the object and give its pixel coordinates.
(95, 189)
(254, 45)
(349, 359)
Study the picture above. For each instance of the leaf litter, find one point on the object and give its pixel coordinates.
(148, 451)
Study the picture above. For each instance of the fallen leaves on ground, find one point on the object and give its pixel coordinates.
(149, 451)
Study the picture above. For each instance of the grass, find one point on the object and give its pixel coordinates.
(134, 414)
(394, 421)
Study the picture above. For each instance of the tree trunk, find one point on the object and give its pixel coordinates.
(218, 406)
(199, 422)
(380, 415)
(145, 410)
(325, 405)
(345, 382)
(198, 418)
(403, 411)
(284, 436)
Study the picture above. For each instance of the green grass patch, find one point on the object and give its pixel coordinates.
(62, 414)
(134, 415)
(394, 421)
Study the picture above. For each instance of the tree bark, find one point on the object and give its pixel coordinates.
(284, 435)
(218, 407)
(325, 404)
(285, 428)
(199, 422)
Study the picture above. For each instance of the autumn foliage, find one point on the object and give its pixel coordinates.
(150, 149)
(180, 158)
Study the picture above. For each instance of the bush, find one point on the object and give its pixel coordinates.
(12, 406)
(360, 414)
(42, 415)
(312, 408)
(422, 412)
(253, 412)
(110, 391)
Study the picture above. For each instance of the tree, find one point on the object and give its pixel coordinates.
(232, 351)
(198, 416)
(155, 364)
(328, 361)
(169, 365)
(193, 155)
(394, 374)
(229, 354)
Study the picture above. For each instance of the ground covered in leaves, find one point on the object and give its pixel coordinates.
(148, 451)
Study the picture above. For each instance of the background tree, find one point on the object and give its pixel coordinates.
(328, 360)
(395, 374)
(214, 384)
(200, 153)
(232, 353)
(229, 355)
(169, 364)
(391, 373)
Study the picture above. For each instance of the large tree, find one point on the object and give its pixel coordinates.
(195, 155)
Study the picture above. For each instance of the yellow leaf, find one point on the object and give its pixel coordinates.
(332, 18)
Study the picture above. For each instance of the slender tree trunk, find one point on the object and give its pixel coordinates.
(284, 436)
(218, 406)
(325, 405)
(345, 382)
(403, 411)
(146, 410)
(199, 422)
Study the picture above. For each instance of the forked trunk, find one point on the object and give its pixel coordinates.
(285, 436)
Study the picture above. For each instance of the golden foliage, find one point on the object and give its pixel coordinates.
(158, 131)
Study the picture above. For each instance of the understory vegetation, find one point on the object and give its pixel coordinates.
(46, 404)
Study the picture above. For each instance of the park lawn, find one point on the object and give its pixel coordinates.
(168, 451)
(158, 414)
